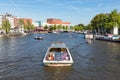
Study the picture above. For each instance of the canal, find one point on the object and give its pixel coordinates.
(21, 58)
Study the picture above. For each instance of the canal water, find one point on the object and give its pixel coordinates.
(21, 58)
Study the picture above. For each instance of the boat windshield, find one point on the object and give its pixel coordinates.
(58, 50)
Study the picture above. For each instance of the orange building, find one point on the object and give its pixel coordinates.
(53, 21)
(16, 22)
(25, 21)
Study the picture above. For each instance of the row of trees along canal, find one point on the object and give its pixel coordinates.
(6, 25)
(79, 27)
(105, 22)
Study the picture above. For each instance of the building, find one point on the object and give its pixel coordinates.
(10, 18)
(15, 22)
(37, 23)
(26, 21)
(52, 21)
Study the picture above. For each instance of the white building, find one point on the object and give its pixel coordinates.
(10, 19)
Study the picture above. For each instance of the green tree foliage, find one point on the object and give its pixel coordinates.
(32, 27)
(29, 26)
(64, 28)
(6, 25)
(21, 22)
(55, 27)
(79, 27)
(98, 22)
(59, 27)
(105, 22)
(72, 27)
(46, 27)
(114, 18)
(52, 28)
(88, 27)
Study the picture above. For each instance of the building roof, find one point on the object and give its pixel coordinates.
(56, 21)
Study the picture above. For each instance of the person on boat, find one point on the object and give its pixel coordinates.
(50, 56)
(65, 56)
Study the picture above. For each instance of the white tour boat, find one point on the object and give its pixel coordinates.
(58, 54)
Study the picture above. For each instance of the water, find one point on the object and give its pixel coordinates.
(21, 58)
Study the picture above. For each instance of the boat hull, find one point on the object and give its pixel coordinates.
(38, 38)
(57, 64)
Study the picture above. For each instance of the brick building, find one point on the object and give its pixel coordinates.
(52, 21)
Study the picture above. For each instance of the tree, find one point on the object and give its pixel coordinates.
(105, 22)
(59, 27)
(79, 27)
(28, 25)
(114, 18)
(21, 22)
(46, 27)
(52, 28)
(98, 23)
(88, 27)
(6, 25)
(55, 27)
(32, 27)
(71, 27)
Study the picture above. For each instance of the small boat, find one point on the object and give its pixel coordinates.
(38, 38)
(58, 54)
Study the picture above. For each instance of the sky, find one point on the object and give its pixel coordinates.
(74, 11)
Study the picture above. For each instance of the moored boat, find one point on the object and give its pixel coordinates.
(89, 36)
(58, 54)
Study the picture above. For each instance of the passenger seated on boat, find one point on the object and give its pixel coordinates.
(58, 57)
(65, 56)
(50, 56)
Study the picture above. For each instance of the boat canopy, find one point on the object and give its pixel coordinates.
(58, 45)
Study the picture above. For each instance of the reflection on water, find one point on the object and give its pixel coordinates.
(21, 58)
